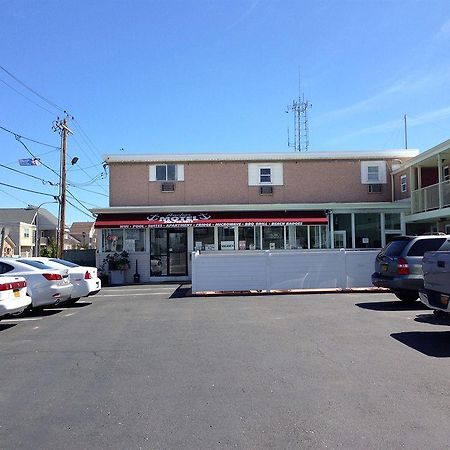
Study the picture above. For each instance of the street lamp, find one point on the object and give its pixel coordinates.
(37, 239)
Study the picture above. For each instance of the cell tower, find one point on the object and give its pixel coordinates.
(301, 126)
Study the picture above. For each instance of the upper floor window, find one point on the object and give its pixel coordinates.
(445, 173)
(166, 172)
(403, 185)
(26, 233)
(373, 173)
(265, 175)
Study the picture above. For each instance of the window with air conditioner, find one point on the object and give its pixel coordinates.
(373, 172)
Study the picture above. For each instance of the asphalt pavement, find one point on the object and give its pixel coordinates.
(148, 367)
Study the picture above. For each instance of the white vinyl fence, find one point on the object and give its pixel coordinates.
(282, 270)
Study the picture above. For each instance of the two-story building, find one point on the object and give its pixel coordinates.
(162, 207)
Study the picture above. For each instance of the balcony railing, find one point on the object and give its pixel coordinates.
(427, 198)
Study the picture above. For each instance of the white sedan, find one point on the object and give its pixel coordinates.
(13, 295)
(46, 285)
(84, 279)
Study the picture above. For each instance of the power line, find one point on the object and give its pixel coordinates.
(27, 190)
(14, 197)
(29, 175)
(88, 190)
(80, 210)
(28, 139)
(32, 90)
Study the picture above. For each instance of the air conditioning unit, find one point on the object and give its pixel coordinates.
(167, 187)
(266, 190)
(375, 188)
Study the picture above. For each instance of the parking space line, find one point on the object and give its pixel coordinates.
(133, 295)
(21, 319)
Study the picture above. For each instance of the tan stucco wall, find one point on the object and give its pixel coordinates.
(227, 183)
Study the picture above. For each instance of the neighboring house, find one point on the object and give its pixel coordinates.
(84, 233)
(29, 227)
(162, 207)
(19, 224)
(8, 247)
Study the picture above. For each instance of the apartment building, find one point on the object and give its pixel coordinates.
(162, 207)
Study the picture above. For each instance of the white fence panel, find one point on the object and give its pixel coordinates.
(267, 271)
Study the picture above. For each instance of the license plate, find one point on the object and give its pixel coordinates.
(444, 300)
(384, 267)
(16, 293)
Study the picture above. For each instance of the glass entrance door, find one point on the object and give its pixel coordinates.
(168, 252)
(177, 252)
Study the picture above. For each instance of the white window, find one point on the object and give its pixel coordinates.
(403, 186)
(166, 172)
(265, 175)
(26, 233)
(445, 173)
(373, 172)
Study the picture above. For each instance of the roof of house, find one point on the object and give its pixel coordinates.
(15, 215)
(81, 227)
(27, 215)
(281, 156)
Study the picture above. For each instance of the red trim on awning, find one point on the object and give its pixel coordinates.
(173, 220)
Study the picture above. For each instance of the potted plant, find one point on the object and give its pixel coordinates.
(118, 263)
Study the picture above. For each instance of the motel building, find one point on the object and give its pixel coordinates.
(164, 207)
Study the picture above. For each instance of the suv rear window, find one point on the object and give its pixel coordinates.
(425, 245)
(395, 247)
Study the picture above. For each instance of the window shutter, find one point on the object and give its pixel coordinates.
(180, 172)
(152, 172)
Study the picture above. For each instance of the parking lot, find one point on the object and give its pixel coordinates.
(148, 367)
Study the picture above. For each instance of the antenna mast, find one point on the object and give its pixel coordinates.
(301, 124)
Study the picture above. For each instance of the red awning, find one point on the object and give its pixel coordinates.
(202, 219)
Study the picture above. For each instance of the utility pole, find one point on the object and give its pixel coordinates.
(64, 131)
(406, 132)
(2, 242)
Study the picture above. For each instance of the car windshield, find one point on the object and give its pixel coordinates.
(64, 262)
(35, 263)
(395, 247)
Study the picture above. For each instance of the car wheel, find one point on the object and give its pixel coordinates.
(407, 296)
(72, 301)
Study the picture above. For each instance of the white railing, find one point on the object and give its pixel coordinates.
(427, 198)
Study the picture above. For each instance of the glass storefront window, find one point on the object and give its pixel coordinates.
(297, 237)
(134, 240)
(368, 230)
(392, 221)
(272, 238)
(204, 238)
(158, 252)
(318, 236)
(342, 230)
(247, 239)
(226, 238)
(112, 240)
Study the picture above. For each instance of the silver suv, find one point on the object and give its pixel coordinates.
(398, 266)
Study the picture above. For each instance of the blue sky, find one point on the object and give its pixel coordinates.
(215, 76)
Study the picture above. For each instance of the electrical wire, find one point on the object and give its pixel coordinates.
(28, 190)
(29, 139)
(29, 99)
(14, 197)
(53, 104)
(90, 215)
(88, 190)
(31, 176)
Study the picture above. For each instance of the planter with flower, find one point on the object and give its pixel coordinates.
(117, 263)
